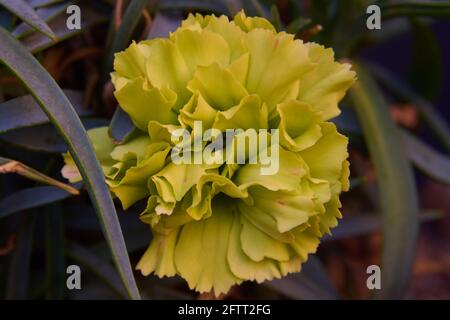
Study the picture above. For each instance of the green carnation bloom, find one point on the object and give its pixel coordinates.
(218, 225)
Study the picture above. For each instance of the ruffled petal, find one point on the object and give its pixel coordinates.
(288, 209)
(130, 63)
(269, 75)
(249, 23)
(326, 157)
(197, 109)
(325, 85)
(290, 172)
(241, 265)
(206, 188)
(230, 32)
(144, 104)
(298, 133)
(102, 143)
(134, 184)
(201, 252)
(159, 257)
(201, 48)
(166, 67)
(161, 132)
(258, 245)
(250, 113)
(103, 146)
(305, 243)
(70, 170)
(330, 218)
(135, 150)
(174, 181)
(206, 80)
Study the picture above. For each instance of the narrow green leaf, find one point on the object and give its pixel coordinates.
(25, 111)
(19, 268)
(276, 19)
(311, 283)
(437, 9)
(213, 6)
(398, 196)
(315, 271)
(45, 138)
(55, 276)
(298, 25)
(366, 223)
(428, 4)
(42, 3)
(122, 37)
(13, 166)
(254, 8)
(46, 14)
(430, 162)
(101, 268)
(121, 128)
(434, 120)
(25, 12)
(31, 198)
(431, 13)
(36, 42)
(426, 63)
(58, 108)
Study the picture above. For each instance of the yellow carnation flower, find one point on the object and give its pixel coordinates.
(219, 225)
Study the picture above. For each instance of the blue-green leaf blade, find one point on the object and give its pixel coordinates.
(55, 270)
(46, 14)
(430, 162)
(44, 137)
(434, 120)
(121, 128)
(25, 12)
(398, 195)
(101, 268)
(24, 111)
(36, 42)
(369, 222)
(311, 283)
(42, 3)
(122, 37)
(426, 61)
(19, 268)
(61, 113)
(31, 198)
